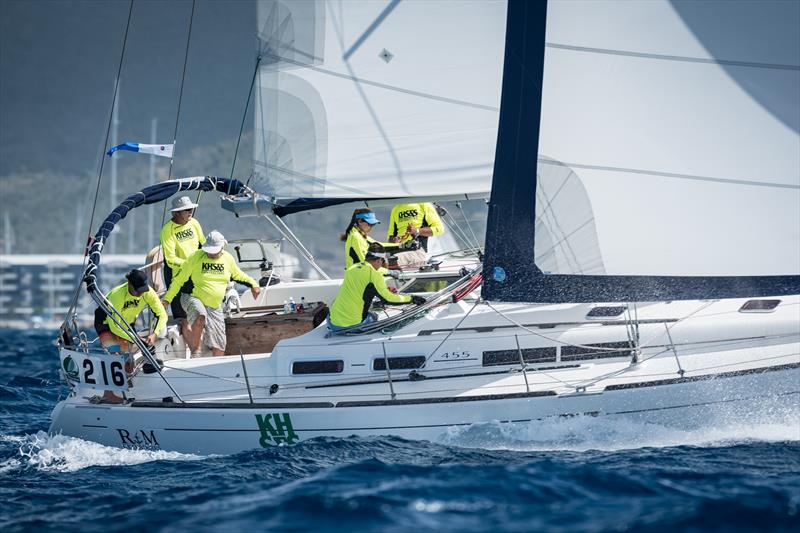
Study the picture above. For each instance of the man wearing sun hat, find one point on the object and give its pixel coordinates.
(207, 272)
(181, 236)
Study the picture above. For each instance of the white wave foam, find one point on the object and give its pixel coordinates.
(610, 434)
(67, 454)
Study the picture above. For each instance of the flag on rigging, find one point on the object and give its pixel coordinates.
(163, 150)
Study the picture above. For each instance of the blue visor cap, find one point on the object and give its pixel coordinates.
(369, 218)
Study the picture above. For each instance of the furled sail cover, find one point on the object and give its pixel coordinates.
(375, 99)
(680, 120)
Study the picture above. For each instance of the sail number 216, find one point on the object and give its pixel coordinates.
(113, 370)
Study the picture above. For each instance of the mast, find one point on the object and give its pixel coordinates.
(512, 209)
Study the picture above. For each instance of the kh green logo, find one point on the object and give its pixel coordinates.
(70, 369)
(276, 429)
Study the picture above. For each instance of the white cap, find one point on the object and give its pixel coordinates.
(214, 243)
(182, 203)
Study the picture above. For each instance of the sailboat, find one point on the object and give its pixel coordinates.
(641, 256)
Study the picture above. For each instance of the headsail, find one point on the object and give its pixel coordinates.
(681, 123)
(377, 99)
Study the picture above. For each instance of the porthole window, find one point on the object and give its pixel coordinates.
(318, 367)
(399, 363)
(590, 351)
(759, 306)
(608, 311)
(511, 357)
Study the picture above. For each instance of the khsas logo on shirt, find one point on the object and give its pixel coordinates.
(130, 303)
(213, 267)
(410, 213)
(184, 234)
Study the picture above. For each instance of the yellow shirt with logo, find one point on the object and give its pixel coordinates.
(361, 284)
(130, 306)
(209, 277)
(356, 246)
(421, 215)
(179, 242)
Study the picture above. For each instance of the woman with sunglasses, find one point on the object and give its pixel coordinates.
(357, 239)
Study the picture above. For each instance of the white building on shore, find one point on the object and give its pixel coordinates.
(37, 290)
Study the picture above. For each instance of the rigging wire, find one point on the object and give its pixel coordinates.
(103, 156)
(476, 241)
(244, 118)
(178, 113)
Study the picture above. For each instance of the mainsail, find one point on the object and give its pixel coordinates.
(681, 123)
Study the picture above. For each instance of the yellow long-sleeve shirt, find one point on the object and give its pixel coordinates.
(179, 242)
(130, 306)
(356, 246)
(422, 215)
(209, 277)
(360, 285)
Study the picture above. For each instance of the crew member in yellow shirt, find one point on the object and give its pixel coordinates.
(207, 272)
(357, 240)
(414, 222)
(410, 221)
(180, 237)
(362, 283)
(129, 299)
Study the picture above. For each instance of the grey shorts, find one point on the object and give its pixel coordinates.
(214, 331)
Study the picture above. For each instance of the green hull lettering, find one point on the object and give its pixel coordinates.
(276, 429)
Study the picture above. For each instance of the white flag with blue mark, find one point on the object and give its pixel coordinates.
(163, 150)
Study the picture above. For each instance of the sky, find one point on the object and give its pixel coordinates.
(59, 60)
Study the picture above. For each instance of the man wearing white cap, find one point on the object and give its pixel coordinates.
(207, 272)
(180, 237)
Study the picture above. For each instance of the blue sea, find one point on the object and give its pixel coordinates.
(565, 475)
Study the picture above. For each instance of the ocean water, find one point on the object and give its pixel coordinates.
(564, 475)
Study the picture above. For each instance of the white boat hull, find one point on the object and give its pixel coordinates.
(192, 428)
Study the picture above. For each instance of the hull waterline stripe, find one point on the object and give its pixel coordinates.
(514, 421)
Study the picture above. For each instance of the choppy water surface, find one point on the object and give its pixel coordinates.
(564, 475)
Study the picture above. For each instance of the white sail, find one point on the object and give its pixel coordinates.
(364, 99)
(681, 122)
